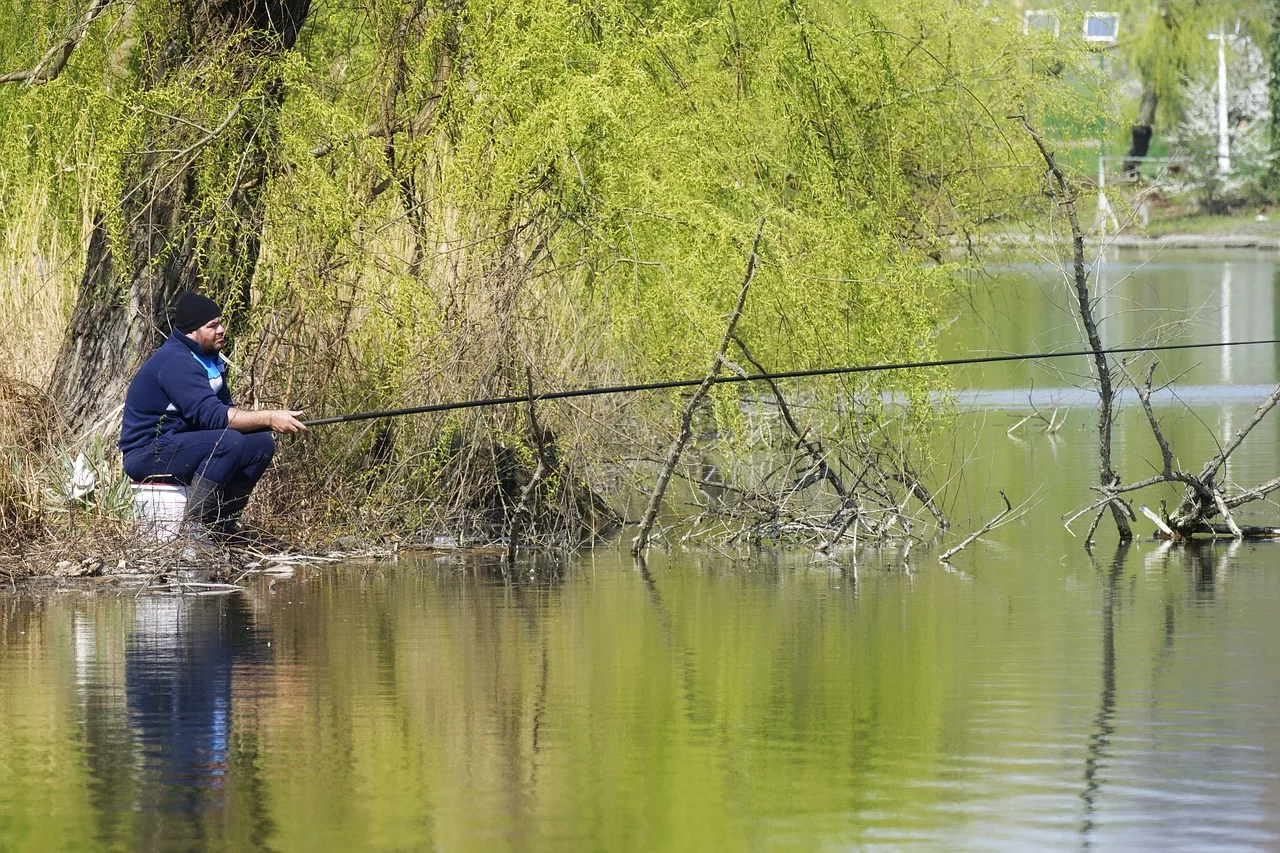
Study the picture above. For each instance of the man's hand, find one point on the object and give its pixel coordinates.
(276, 420)
(285, 421)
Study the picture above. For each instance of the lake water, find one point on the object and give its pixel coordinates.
(1031, 696)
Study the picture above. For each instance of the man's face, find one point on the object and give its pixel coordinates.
(211, 336)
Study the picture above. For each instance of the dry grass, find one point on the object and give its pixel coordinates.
(36, 517)
(39, 271)
(26, 427)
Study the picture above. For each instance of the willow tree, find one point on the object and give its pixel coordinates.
(185, 106)
(1170, 41)
(403, 200)
(577, 186)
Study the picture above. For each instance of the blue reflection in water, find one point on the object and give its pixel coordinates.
(179, 661)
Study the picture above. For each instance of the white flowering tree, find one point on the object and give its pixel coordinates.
(1196, 135)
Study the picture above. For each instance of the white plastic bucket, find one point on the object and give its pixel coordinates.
(159, 508)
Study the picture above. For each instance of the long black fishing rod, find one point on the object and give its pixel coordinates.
(757, 377)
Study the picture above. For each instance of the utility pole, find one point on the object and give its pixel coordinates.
(1224, 137)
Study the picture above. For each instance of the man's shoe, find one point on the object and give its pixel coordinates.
(201, 547)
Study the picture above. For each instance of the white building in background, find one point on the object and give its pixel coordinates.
(1102, 27)
(1041, 20)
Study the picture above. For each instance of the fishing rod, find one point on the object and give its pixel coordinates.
(759, 377)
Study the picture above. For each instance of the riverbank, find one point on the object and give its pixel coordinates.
(1174, 224)
(1252, 229)
(1186, 241)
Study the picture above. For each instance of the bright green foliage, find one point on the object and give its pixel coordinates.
(614, 161)
(570, 187)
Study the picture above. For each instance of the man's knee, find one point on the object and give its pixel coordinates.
(258, 450)
(223, 458)
(229, 446)
(258, 447)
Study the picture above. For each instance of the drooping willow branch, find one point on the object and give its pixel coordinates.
(56, 58)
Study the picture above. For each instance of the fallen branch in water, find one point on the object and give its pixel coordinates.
(986, 528)
(1052, 426)
(194, 588)
(1158, 521)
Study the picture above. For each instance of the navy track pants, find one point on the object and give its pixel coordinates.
(224, 456)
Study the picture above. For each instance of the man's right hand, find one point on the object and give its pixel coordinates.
(276, 420)
(286, 421)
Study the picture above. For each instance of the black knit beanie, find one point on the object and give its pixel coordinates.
(192, 311)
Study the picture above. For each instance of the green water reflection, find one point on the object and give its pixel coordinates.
(1177, 296)
(1032, 696)
(696, 704)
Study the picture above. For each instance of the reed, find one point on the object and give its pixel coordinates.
(25, 427)
(39, 268)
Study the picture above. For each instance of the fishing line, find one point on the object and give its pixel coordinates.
(761, 377)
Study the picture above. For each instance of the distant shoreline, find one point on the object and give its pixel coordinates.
(1260, 242)
(1187, 241)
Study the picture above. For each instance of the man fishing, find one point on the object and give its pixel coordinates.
(179, 422)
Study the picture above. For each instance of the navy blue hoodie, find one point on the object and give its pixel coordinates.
(178, 389)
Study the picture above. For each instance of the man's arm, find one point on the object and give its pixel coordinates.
(276, 420)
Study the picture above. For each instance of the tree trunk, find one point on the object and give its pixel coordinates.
(1140, 132)
(159, 247)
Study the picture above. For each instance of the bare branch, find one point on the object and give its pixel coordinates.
(1226, 514)
(852, 521)
(1107, 476)
(1256, 493)
(951, 552)
(1144, 394)
(908, 478)
(641, 541)
(1211, 467)
(1158, 521)
(1088, 537)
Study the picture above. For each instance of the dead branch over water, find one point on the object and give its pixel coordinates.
(1204, 498)
(641, 541)
(984, 529)
(1108, 478)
